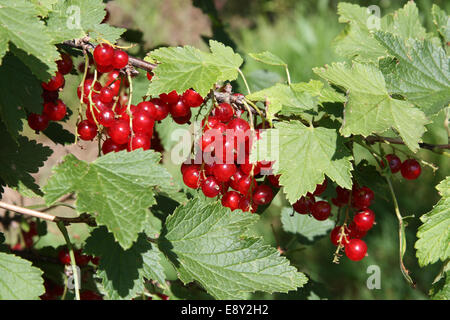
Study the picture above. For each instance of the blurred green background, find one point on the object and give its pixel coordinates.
(302, 33)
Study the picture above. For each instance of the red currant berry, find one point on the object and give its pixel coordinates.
(120, 59)
(246, 167)
(95, 260)
(223, 172)
(212, 121)
(104, 54)
(356, 249)
(81, 259)
(149, 76)
(106, 117)
(262, 195)
(343, 196)
(304, 204)
(239, 126)
(119, 131)
(87, 89)
(364, 219)
(235, 178)
(106, 95)
(170, 98)
(355, 233)
(38, 122)
(104, 69)
(115, 87)
(362, 197)
(191, 176)
(55, 111)
(274, 180)
(231, 200)
(162, 109)
(211, 187)
(109, 146)
(411, 169)
(394, 162)
(64, 257)
(186, 164)
(321, 210)
(246, 205)
(224, 112)
(148, 107)
(192, 99)
(179, 109)
(139, 140)
(246, 185)
(183, 120)
(65, 65)
(87, 130)
(56, 82)
(336, 233)
(320, 188)
(143, 122)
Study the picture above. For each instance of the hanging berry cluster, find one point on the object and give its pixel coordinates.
(222, 162)
(410, 168)
(54, 108)
(126, 126)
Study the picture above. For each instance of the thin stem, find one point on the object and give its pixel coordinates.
(401, 233)
(446, 122)
(28, 212)
(245, 81)
(63, 229)
(83, 218)
(288, 75)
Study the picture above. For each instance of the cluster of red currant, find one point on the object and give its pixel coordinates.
(53, 109)
(320, 210)
(410, 168)
(223, 162)
(363, 220)
(127, 129)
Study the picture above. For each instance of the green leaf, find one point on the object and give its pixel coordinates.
(304, 225)
(442, 22)
(74, 19)
(261, 79)
(304, 155)
(434, 234)
(356, 40)
(20, 158)
(123, 271)
(205, 242)
(268, 58)
(118, 188)
(421, 73)
(21, 26)
(19, 89)
(19, 280)
(284, 95)
(370, 108)
(186, 67)
(405, 22)
(225, 58)
(295, 98)
(441, 289)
